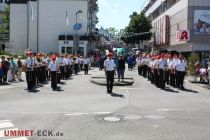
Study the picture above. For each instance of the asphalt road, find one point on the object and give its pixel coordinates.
(84, 111)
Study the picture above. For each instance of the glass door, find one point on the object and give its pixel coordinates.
(69, 50)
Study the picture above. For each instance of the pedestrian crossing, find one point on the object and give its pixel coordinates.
(6, 125)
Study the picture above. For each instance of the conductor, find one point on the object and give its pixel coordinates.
(109, 68)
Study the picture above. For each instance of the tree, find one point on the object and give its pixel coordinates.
(138, 28)
(4, 27)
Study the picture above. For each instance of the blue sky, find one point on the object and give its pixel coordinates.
(115, 13)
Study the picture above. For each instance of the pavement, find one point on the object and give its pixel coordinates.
(82, 110)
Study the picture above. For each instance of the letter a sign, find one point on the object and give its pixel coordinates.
(183, 35)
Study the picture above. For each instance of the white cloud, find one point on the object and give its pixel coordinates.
(116, 5)
(115, 11)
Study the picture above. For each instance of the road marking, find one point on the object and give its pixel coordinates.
(2, 132)
(6, 125)
(19, 138)
(166, 109)
(129, 88)
(93, 113)
(4, 121)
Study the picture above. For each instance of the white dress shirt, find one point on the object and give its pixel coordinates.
(86, 61)
(109, 65)
(181, 65)
(53, 66)
(30, 62)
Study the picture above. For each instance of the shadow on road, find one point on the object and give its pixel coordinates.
(58, 89)
(190, 90)
(117, 95)
(62, 83)
(168, 89)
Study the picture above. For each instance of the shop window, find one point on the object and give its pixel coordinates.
(69, 50)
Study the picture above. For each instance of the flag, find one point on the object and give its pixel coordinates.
(31, 11)
(67, 19)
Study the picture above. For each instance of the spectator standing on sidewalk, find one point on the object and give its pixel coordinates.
(5, 67)
(1, 74)
(208, 69)
(121, 68)
(109, 68)
(20, 68)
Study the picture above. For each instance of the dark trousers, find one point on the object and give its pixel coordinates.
(81, 66)
(152, 77)
(86, 68)
(67, 74)
(180, 79)
(53, 79)
(156, 77)
(145, 71)
(140, 70)
(161, 79)
(149, 73)
(1, 79)
(167, 76)
(173, 78)
(62, 69)
(5, 76)
(120, 73)
(29, 79)
(109, 80)
(76, 68)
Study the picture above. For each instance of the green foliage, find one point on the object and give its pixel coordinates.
(193, 60)
(139, 23)
(4, 27)
(4, 53)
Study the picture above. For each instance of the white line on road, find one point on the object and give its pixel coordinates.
(129, 88)
(4, 121)
(19, 138)
(93, 113)
(6, 125)
(166, 109)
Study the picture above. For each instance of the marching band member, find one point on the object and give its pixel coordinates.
(181, 70)
(30, 63)
(161, 69)
(53, 68)
(86, 62)
(62, 64)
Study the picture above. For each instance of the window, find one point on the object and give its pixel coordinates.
(63, 50)
(81, 50)
(69, 50)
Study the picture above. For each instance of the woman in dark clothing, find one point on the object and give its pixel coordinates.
(121, 68)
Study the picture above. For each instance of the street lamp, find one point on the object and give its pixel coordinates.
(77, 13)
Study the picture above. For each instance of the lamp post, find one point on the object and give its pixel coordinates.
(77, 13)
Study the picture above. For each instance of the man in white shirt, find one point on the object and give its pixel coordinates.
(53, 68)
(180, 68)
(86, 63)
(161, 68)
(62, 64)
(109, 68)
(30, 64)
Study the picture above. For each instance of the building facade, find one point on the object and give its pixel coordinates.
(180, 25)
(50, 25)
